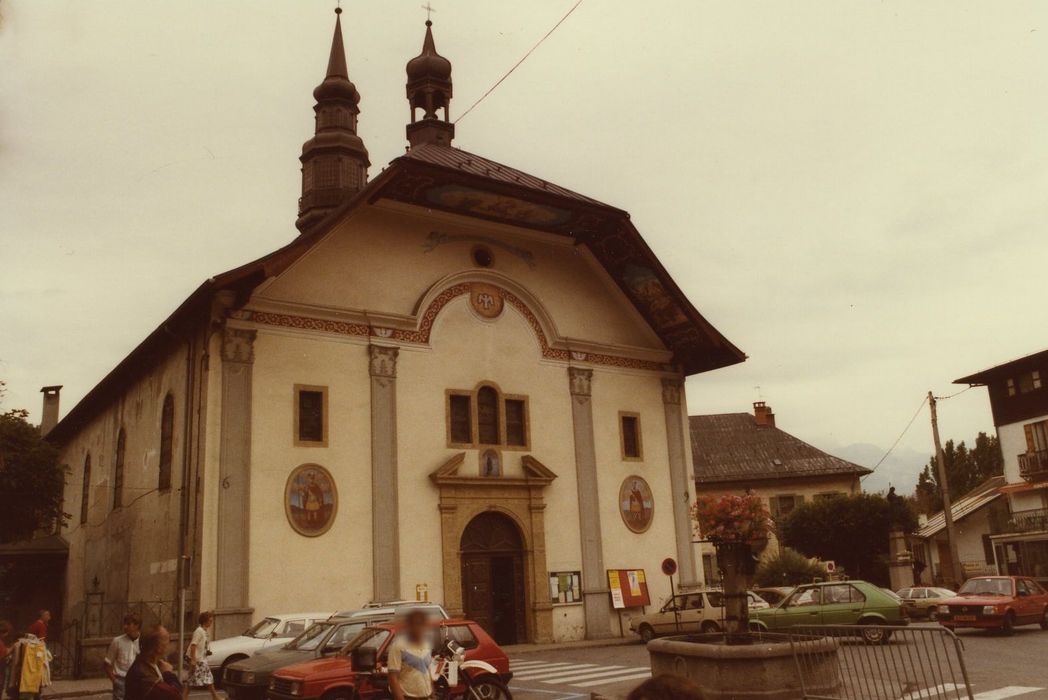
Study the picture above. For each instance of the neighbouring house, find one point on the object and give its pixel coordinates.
(743, 453)
(1019, 401)
(973, 517)
(459, 383)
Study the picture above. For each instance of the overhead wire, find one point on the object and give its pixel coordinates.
(517, 64)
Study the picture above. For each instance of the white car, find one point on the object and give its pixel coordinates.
(270, 632)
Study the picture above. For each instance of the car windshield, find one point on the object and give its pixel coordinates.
(372, 638)
(263, 629)
(311, 638)
(986, 586)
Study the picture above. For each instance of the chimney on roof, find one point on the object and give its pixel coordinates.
(762, 415)
(49, 416)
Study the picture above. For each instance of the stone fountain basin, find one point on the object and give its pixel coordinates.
(763, 670)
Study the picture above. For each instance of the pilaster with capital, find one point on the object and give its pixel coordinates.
(595, 594)
(676, 414)
(385, 533)
(234, 470)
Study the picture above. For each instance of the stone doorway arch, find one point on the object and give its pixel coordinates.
(506, 501)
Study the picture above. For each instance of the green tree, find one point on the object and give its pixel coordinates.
(966, 468)
(788, 568)
(849, 530)
(31, 479)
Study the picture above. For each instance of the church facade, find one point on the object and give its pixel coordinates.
(459, 383)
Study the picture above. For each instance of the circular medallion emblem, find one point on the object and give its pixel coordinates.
(636, 503)
(486, 299)
(310, 500)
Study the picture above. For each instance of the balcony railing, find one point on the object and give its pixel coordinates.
(1019, 521)
(1034, 465)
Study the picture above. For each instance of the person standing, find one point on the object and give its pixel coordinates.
(410, 660)
(39, 628)
(196, 655)
(122, 652)
(151, 677)
(5, 651)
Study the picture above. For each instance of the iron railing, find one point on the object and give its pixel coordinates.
(1035, 520)
(875, 662)
(1034, 465)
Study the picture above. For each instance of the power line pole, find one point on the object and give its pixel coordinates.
(947, 511)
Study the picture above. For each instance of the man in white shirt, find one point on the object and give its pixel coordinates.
(410, 660)
(121, 654)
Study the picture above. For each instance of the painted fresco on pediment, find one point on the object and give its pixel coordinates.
(646, 287)
(488, 204)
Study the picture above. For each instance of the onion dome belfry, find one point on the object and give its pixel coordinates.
(429, 90)
(335, 161)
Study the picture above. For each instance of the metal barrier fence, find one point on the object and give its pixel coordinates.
(879, 663)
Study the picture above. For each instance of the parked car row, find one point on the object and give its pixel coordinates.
(323, 659)
(995, 602)
(696, 611)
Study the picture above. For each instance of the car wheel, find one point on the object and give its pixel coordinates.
(647, 633)
(872, 635)
(486, 688)
(709, 627)
(1044, 619)
(221, 676)
(933, 615)
(1008, 627)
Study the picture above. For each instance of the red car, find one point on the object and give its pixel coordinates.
(484, 674)
(996, 602)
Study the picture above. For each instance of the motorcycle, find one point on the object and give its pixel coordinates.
(454, 677)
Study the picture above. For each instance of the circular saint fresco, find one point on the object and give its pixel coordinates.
(636, 503)
(310, 500)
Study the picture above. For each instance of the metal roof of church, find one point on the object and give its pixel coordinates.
(464, 161)
(733, 447)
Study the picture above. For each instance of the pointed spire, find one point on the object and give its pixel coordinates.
(429, 90)
(337, 61)
(334, 161)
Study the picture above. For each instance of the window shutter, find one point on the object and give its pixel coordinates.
(461, 419)
(488, 416)
(515, 423)
(1030, 447)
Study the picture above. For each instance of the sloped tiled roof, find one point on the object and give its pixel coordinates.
(732, 447)
(472, 164)
(982, 495)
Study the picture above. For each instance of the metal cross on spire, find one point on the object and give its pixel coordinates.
(429, 11)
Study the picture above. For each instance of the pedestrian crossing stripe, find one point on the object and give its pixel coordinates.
(575, 675)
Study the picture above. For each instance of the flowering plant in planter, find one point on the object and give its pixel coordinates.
(731, 519)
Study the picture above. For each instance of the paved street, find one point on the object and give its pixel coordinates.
(998, 667)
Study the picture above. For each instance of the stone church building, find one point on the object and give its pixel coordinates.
(459, 383)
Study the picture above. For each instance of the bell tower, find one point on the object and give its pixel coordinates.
(429, 90)
(335, 161)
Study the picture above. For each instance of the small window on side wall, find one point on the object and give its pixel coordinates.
(629, 431)
(310, 416)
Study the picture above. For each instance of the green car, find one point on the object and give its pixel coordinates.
(835, 603)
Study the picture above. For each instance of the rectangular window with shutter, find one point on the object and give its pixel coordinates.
(516, 423)
(629, 433)
(1036, 436)
(310, 410)
(460, 419)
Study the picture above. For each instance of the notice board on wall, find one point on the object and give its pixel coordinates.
(629, 588)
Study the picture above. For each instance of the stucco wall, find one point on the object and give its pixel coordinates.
(378, 262)
(133, 550)
(969, 547)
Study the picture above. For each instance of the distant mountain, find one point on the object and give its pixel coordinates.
(900, 469)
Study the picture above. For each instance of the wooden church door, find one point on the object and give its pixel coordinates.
(493, 576)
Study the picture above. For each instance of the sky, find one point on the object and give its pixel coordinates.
(854, 193)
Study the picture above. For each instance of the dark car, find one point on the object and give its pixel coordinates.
(996, 602)
(335, 678)
(248, 678)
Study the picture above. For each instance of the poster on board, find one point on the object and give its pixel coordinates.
(629, 588)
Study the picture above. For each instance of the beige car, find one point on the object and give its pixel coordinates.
(686, 613)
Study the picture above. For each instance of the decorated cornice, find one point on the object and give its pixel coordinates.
(420, 335)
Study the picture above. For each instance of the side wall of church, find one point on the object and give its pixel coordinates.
(130, 550)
